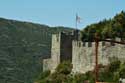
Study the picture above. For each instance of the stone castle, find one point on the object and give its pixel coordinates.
(82, 54)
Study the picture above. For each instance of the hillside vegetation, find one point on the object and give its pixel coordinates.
(22, 47)
(111, 28)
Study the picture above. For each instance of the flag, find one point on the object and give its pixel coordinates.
(78, 19)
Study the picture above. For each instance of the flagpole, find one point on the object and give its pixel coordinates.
(76, 27)
(76, 21)
(76, 24)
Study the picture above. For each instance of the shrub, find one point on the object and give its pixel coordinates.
(122, 71)
(64, 68)
(44, 74)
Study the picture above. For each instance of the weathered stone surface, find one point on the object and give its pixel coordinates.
(80, 60)
(83, 58)
(82, 54)
(51, 64)
(61, 50)
(47, 64)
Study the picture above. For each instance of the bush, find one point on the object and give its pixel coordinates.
(114, 65)
(64, 68)
(79, 78)
(43, 75)
(122, 71)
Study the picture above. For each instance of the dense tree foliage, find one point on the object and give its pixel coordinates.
(111, 28)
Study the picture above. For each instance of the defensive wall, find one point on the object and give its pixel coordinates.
(83, 58)
(82, 54)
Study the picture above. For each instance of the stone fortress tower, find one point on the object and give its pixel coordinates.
(61, 49)
(69, 47)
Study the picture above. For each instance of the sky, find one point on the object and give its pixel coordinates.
(60, 12)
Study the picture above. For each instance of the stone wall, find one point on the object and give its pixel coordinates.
(83, 58)
(55, 51)
(61, 50)
(51, 64)
(68, 47)
(47, 64)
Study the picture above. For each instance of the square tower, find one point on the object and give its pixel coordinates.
(61, 49)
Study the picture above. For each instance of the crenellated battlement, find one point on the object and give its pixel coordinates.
(92, 44)
(84, 44)
(67, 46)
(83, 58)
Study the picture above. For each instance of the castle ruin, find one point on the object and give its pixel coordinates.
(69, 47)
